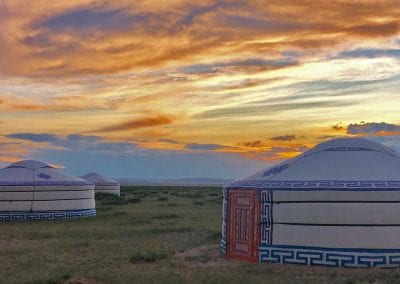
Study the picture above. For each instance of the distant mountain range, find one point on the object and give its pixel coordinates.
(172, 182)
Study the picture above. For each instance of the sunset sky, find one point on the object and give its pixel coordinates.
(172, 89)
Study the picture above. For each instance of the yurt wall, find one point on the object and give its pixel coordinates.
(290, 214)
(103, 184)
(34, 190)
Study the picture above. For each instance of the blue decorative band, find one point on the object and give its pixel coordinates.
(110, 184)
(330, 256)
(222, 246)
(320, 184)
(224, 228)
(349, 149)
(45, 183)
(45, 215)
(267, 222)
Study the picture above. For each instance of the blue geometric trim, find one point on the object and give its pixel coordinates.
(224, 221)
(44, 183)
(330, 256)
(222, 246)
(106, 184)
(349, 149)
(320, 184)
(45, 215)
(267, 222)
(332, 184)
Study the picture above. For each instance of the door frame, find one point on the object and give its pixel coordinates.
(254, 242)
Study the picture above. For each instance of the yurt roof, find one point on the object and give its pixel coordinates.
(99, 179)
(344, 162)
(29, 164)
(32, 173)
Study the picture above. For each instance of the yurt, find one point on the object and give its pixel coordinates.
(337, 204)
(103, 184)
(32, 190)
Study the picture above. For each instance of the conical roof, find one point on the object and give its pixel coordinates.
(29, 164)
(344, 162)
(32, 173)
(98, 179)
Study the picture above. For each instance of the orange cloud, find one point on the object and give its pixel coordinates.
(9, 159)
(53, 45)
(149, 121)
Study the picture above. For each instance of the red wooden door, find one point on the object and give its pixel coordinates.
(243, 233)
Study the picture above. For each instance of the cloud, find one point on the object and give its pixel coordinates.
(284, 138)
(326, 137)
(34, 137)
(375, 29)
(76, 141)
(248, 65)
(170, 141)
(149, 121)
(337, 126)
(234, 67)
(373, 128)
(370, 53)
(280, 153)
(86, 18)
(211, 147)
(252, 144)
(67, 38)
(254, 110)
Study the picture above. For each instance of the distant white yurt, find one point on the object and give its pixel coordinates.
(337, 204)
(32, 190)
(103, 184)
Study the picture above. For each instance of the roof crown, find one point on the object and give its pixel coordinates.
(29, 164)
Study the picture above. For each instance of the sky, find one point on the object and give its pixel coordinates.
(186, 89)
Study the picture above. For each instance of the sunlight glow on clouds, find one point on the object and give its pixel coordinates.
(243, 82)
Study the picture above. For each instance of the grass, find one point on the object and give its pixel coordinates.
(175, 241)
(163, 199)
(149, 256)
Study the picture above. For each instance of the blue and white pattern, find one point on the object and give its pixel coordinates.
(266, 229)
(275, 170)
(330, 256)
(321, 184)
(46, 215)
(348, 149)
(224, 220)
(45, 183)
(44, 176)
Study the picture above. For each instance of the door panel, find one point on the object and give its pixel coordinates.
(243, 233)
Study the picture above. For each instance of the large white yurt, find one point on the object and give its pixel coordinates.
(337, 204)
(32, 190)
(103, 184)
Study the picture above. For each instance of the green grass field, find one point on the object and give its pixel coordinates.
(150, 235)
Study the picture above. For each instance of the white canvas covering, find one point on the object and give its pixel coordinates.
(346, 159)
(337, 204)
(103, 184)
(35, 190)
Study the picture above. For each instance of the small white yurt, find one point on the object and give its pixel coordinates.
(32, 190)
(103, 184)
(337, 204)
